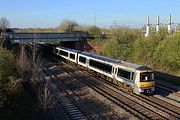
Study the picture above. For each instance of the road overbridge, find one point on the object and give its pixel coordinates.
(48, 37)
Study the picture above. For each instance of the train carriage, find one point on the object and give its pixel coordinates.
(124, 74)
(122, 71)
(139, 78)
(100, 64)
(67, 53)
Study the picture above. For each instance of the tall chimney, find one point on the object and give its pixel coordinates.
(169, 24)
(147, 27)
(158, 23)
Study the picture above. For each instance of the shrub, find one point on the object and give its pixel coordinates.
(159, 51)
(8, 73)
(6, 66)
(144, 48)
(119, 46)
(167, 54)
(112, 48)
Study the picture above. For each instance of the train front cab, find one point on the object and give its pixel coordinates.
(145, 82)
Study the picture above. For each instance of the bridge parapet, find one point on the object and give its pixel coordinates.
(48, 37)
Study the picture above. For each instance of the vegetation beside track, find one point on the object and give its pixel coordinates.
(13, 97)
(159, 51)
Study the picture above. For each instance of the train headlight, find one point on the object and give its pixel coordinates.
(141, 89)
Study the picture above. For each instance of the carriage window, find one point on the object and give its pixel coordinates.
(56, 50)
(124, 73)
(72, 56)
(64, 53)
(82, 59)
(101, 66)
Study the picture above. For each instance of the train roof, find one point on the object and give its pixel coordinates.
(135, 66)
(118, 62)
(101, 57)
(71, 50)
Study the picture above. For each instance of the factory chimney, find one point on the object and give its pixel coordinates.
(147, 27)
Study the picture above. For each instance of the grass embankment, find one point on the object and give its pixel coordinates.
(159, 51)
(13, 97)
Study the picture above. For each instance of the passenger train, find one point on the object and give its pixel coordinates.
(140, 78)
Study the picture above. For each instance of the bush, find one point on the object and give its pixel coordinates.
(6, 60)
(112, 48)
(167, 54)
(120, 44)
(8, 73)
(124, 35)
(14, 99)
(159, 51)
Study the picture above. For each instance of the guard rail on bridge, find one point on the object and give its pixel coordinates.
(47, 37)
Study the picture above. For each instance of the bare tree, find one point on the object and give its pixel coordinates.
(29, 59)
(68, 25)
(4, 24)
(40, 85)
(22, 60)
(36, 59)
(45, 98)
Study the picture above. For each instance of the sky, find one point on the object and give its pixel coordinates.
(103, 13)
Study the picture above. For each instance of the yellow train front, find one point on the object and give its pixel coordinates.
(140, 78)
(144, 82)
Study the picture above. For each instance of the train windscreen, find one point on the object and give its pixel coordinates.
(146, 76)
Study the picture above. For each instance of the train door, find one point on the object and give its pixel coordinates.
(87, 62)
(114, 70)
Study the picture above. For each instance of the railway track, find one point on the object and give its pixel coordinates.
(56, 112)
(121, 100)
(160, 111)
(168, 89)
(168, 100)
(170, 95)
(73, 112)
(59, 83)
(171, 107)
(173, 110)
(152, 101)
(169, 111)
